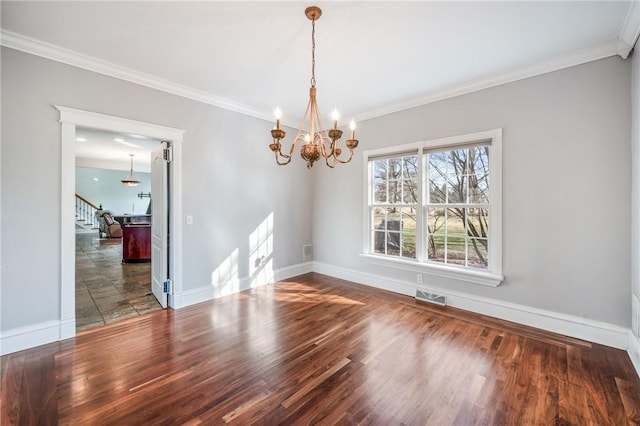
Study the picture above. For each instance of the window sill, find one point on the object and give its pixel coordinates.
(445, 271)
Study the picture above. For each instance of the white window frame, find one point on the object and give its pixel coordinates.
(492, 276)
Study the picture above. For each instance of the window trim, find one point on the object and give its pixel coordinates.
(493, 275)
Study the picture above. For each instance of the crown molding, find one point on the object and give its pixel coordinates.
(630, 31)
(36, 47)
(579, 57)
(39, 48)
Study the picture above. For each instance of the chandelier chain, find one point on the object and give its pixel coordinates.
(313, 53)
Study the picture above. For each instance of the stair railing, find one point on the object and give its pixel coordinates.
(86, 211)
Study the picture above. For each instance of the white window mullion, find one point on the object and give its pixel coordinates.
(420, 217)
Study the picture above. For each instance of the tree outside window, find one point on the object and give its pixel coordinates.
(455, 207)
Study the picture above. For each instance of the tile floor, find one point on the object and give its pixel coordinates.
(108, 290)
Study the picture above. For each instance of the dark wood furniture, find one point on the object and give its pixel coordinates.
(133, 218)
(136, 242)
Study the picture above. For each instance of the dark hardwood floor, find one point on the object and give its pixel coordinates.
(317, 350)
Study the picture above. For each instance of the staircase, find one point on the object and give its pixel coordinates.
(85, 215)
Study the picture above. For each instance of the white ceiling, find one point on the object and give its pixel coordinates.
(372, 57)
(107, 150)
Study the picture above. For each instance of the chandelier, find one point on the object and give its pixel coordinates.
(316, 140)
(129, 180)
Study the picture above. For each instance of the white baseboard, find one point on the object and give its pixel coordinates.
(634, 351)
(67, 328)
(568, 325)
(216, 290)
(34, 335)
(293, 271)
(581, 328)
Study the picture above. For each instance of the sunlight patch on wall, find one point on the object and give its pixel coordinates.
(261, 253)
(225, 277)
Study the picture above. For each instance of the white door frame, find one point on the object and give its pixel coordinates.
(70, 119)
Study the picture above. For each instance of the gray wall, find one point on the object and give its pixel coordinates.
(635, 175)
(567, 185)
(109, 191)
(566, 188)
(230, 180)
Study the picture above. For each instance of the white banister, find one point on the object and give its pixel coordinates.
(86, 211)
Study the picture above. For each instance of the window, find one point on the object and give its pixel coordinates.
(435, 207)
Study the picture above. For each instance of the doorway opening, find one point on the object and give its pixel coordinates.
(73, 123)
(113, 227)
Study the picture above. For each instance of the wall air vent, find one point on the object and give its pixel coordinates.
(437, 299)
(307, 253)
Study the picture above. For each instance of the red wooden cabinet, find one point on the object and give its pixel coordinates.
(136, 242)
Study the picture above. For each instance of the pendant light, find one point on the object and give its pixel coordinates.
(130, 180)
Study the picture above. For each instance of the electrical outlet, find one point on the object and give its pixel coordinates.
(189, 220)
(419, 278)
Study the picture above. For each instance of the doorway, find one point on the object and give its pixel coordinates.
(71, 120)
(113, 184)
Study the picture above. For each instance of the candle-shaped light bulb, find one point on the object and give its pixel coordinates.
(307, 138)
(352, 126)
(278, 114)
(335, 117)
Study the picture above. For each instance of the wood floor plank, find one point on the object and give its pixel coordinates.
(318, 350)
(12, 370)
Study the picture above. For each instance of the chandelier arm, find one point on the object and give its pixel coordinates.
(299, 137)
(326, 140)
(326, 160)
(324, 137)
(344, 161)
(282, 163)
(306, 113)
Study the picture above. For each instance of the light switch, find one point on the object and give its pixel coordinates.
(189, 220)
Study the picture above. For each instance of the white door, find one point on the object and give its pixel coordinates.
(159, 224)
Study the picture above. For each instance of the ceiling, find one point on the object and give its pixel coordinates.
(107, 150)
(372, 58)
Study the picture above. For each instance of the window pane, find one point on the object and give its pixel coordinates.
(410, 167)
(436, 221)
(437, 165)
(479, 175)
(478, 222)
(437, 190)
(380, 168)
(378, 218)
(457, 162)
(379, 190)
(410, 191)
(457, 176)
(455, 221)
(456, 250)
(435, 248)
(478, 249)
(395, 191)
(394, 228)
(379, 242)
(395, 168)
(409, 233)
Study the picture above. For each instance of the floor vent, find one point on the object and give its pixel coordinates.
(431, 298)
